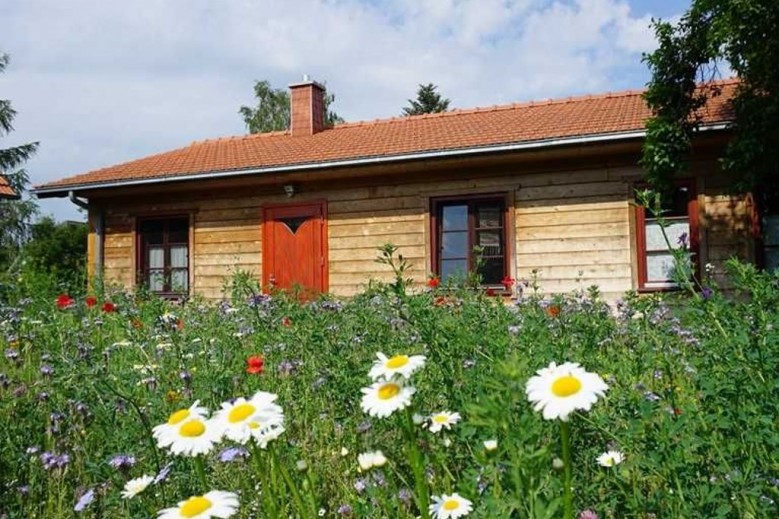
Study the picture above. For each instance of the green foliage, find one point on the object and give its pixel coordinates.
(744, 34)
(428, 101)
(272, 112)
(15, 215)
(58, 249)
(691, 400)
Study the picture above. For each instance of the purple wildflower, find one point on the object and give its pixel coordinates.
(163, 475)
(233, 454)
(23, 490)
(706, 293)
(364, 427)
(682, 240)
(52, 460)
(47, 370)
(185, 377)
(11, 354)
(345, 510)
(588, 514)
(360, 485)
(122, 462)
(652, 397)
(85, 499)
(405, 495)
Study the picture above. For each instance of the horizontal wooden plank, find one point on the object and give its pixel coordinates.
(246, 235)
(376, 229)
(356, 242)
(573, 191)
(584, 230)
(574, 245)
(406, 203)
(370, 253)
(595, 257)
(587, 272)
(368, 266)
(228, 259)
(228, 226)
(525, 208)
(222, 271)
(592, 217)
(228, 248)
(388, 216)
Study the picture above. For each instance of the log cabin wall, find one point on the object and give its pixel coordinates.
(571, 228)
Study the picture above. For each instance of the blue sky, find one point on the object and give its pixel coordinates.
(99, 82)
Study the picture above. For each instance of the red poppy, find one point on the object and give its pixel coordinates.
(254, 365)
(433, 282)
(109, 307)
(90, 301)
(440, 301)
(64, 301)
(490, 292)
(507, 282)
(180, 324)
(553, 310)
(286, 321)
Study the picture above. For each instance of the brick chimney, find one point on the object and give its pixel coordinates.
(307, 110)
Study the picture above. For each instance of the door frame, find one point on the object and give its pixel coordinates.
(268, 240)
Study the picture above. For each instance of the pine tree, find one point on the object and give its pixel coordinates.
(15, 215)
(428, 101)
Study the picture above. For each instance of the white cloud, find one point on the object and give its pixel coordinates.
(103, 81)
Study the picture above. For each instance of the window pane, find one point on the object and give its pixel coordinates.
(490, 242)
(491, 271)
(152, 231)
(489, 216)
(454, 245)
(178, 230)
(179, 280)
(772, 259)
(178, 256)
(659, 267)
(455, 218)
(456, 268)
(156, 280)
(677, 205)
(771, 230)
(155, 258)
(676, 227)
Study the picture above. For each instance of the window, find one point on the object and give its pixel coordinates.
(770, 232)
(655, 259)
(469, 235)
(164, 254)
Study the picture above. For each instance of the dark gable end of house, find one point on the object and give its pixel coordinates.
(544, 188)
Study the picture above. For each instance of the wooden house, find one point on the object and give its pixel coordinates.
(545, 187)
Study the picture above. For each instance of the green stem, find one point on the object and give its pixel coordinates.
(291, 485)
(417, 467)
(565, 436)
(201, 473)
(267, 494)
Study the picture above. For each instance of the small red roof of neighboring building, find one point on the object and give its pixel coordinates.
(6, 191)
(552, 120)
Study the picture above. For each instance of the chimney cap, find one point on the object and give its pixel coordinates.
(306, 82)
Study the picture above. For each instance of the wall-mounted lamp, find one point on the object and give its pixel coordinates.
(289, 189)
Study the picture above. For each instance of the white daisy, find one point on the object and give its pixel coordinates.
(262, 436)
(213, 504)
(191, 437)
(561, 390)
(490, 445)
(175, 419)
(384, 397)
(369, 460)
(610, 458)
(403, 365)
(135, 486)
(443, 420)
(450, 507)
(240, 417)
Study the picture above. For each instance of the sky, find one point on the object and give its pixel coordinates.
(101, 82)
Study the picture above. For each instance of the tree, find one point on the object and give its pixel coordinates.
(58, 249)
(272, 110)
(15, 215)
(428, 101)
(744, 34)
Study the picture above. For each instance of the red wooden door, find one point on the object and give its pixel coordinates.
(294, 247)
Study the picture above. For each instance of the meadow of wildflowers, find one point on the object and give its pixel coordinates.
(437, 403)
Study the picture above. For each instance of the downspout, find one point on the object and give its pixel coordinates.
(99, 226)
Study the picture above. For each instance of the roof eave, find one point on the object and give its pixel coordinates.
(64, 190)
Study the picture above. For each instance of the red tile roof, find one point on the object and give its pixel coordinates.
(606, 114)
(6, 191)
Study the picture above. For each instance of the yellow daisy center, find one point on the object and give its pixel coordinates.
(195, 506)
(566, 386)
(192, 429)
(451, 504)
(178, 416)
(388, 391)
(240, 413)
(440, 418)
(398, 361)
